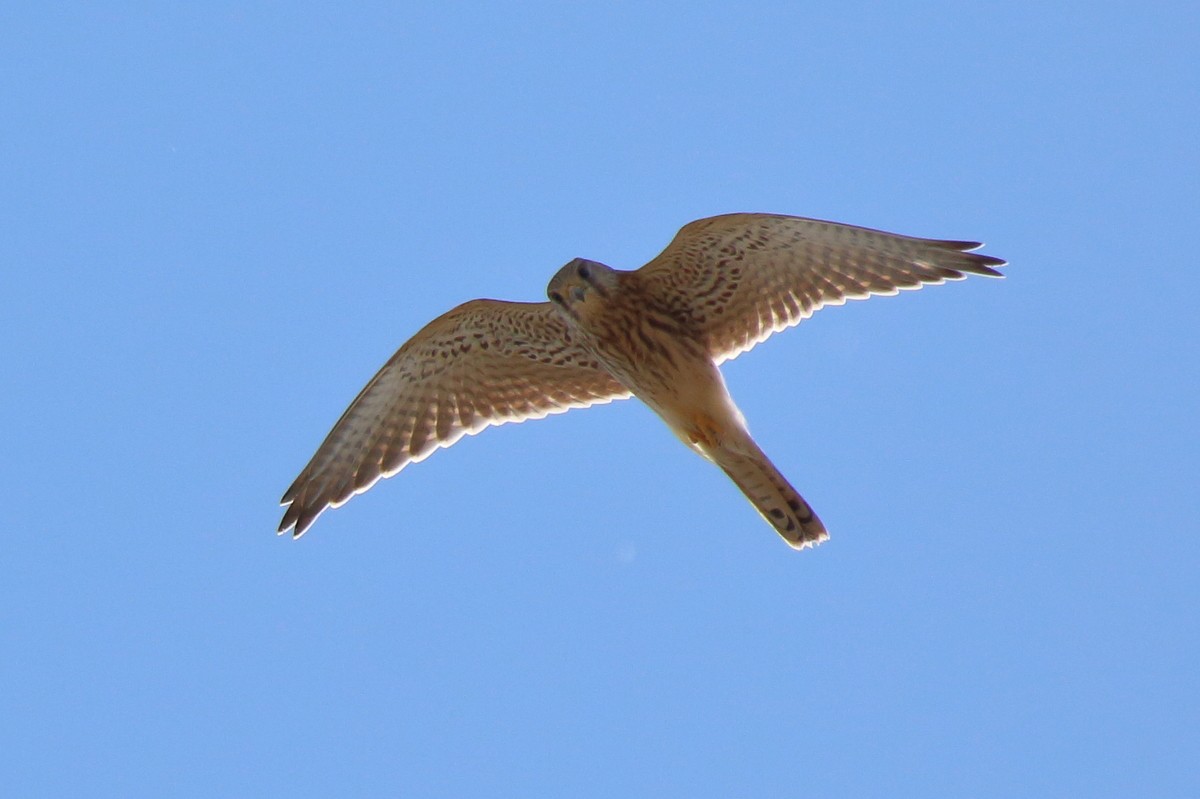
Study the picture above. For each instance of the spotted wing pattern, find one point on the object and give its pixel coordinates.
(484, 363)
(738, 278)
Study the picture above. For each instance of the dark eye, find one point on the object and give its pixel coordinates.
(584, 272)
(556, 297)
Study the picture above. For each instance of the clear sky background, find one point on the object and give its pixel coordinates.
(219, 219)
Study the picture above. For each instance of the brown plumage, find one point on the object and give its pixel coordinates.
(722, 285)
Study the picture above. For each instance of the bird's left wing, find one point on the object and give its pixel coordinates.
(484, 363)
(738, 278)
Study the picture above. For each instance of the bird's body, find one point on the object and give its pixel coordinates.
(658, 333)
(663, 359)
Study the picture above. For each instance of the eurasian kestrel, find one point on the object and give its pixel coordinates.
(723, 285)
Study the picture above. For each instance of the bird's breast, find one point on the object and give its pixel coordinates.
(653, 356)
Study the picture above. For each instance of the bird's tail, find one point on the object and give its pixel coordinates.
(771, 494)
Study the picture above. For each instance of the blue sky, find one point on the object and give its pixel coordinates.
(220, 219)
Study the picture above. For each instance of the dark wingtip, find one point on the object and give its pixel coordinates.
(978, 263)
(966, 260)
(296, 527)
(986, 269)
(988, 260)
(297, 519)
(305, 518)
(287, 522)
(291, 515)
(291, 492)
(980, 258)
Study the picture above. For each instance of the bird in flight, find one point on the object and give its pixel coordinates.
(658, 333)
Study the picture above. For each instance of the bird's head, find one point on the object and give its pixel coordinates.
(582, 286)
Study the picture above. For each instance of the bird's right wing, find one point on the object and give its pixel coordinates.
(738, 278)
(484, 363)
